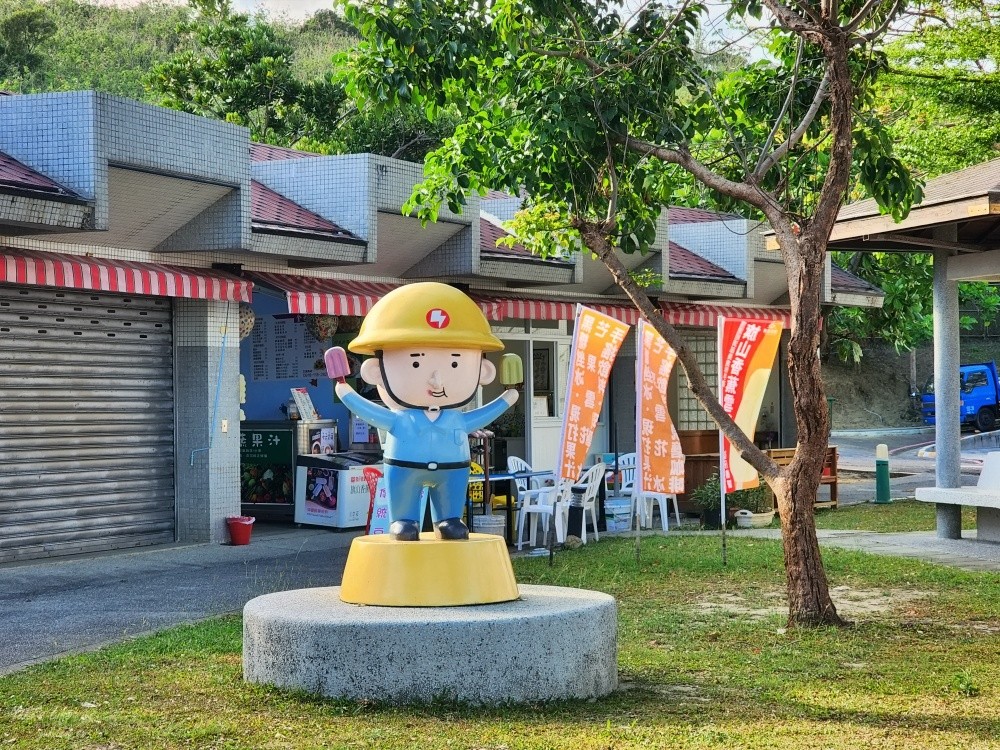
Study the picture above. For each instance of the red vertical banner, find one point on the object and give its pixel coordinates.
(746, 355)
(596, 340)
(659, 460)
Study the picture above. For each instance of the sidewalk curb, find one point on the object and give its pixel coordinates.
(865, 432)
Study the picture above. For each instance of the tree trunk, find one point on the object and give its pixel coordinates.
(809, 601)
(795, 487)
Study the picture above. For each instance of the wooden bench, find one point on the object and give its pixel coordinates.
(985, 497)
(784, 456)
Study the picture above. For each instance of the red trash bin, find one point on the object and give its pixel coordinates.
(240, 528)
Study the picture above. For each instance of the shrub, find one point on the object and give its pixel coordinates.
(756, 500)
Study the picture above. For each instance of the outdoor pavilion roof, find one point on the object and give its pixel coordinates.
(967, 201)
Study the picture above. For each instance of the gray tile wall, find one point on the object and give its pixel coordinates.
(338, 188)
(55, 134)
(72, 136)
(206, 334)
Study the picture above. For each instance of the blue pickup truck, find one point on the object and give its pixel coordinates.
(980, 396)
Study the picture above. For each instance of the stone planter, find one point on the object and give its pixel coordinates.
(747, 520)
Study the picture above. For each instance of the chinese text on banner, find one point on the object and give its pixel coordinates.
(746, 355)
(596, 340)
(660, 463)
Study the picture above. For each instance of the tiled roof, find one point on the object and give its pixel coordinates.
(682, 215)
(685, 264)
(265, 152)
(270, 210)
(498, 195)
(845, 281)
(489, 233)
(13, 174)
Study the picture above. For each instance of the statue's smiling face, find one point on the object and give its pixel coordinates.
(429, 378)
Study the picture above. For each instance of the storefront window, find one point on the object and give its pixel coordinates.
(690, 414)
(543, 380)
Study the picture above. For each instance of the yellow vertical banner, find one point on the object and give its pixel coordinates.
(659, 460)
(596, 340)
(746, 355)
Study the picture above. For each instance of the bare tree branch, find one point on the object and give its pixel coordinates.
(841, 127)
(807, 22)
(413, 141)
(784, 110)
(612, 170)
(796, 135)
(881, 28)
(861, 16)
(752, 194)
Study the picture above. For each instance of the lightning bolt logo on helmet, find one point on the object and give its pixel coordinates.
(438, 318)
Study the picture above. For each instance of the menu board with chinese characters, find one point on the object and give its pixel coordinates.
(282, 349)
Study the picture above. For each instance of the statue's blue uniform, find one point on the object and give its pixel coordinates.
(415, 439)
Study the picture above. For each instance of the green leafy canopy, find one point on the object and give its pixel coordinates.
(550, 93)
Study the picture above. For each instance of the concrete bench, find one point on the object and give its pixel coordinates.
(985, 497)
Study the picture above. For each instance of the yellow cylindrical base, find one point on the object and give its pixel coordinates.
(428, 573)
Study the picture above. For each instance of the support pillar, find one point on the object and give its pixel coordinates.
(206, 392)
(947, 360)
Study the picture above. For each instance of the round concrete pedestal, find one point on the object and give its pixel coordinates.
(550, 644)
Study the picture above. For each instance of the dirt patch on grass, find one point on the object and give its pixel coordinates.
(850, 602)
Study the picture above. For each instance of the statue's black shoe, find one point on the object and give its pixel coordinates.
(404, 531)
(451, 528)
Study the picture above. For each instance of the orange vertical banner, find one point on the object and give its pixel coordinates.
(659, 460)
(596, 340)
(746, 355)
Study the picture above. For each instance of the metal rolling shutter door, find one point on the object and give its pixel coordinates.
(86, 422)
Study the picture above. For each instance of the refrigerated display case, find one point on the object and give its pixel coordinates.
(267, 462)
(335, 490)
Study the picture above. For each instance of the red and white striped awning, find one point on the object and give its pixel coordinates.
(314, 296)
(706, 316)
(122, 276)
(533, 308)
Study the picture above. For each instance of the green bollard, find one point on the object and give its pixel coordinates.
(882, 474)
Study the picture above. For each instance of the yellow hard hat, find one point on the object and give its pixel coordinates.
(428, 314)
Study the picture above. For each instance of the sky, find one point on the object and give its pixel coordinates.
(292, 9)
(295, 9)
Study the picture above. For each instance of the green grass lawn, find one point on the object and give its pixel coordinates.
(899, 515)
(705, 662)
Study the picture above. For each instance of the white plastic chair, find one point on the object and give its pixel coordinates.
(590, 483)
(662, 499)
(532, 499)
(626, 473)
(642, 508)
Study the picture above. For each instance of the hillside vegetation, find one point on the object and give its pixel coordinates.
(875, 392)
(112, 49)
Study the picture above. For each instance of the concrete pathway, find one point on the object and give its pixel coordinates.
(48, 609)
(965, 553)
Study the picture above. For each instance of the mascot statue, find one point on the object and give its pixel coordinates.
(427, 341)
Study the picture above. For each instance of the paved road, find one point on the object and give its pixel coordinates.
(51, 608)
